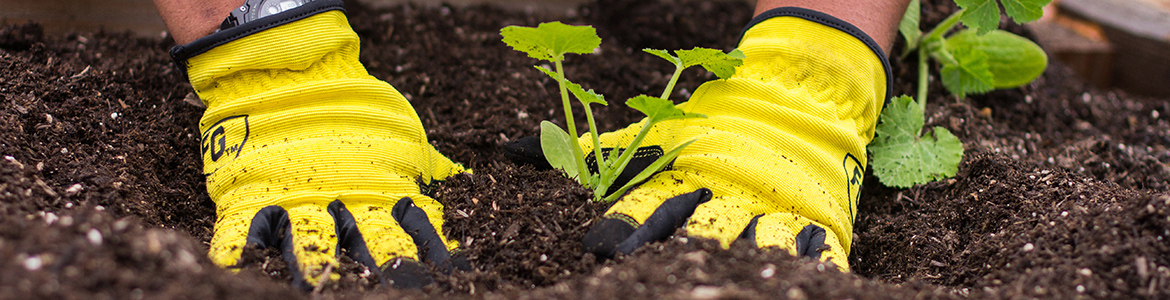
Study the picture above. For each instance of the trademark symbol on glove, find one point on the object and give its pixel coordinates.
(221, 142)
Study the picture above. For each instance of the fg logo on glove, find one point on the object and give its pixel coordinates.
(221, 142)
(854, 173)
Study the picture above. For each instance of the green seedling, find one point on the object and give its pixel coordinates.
(550, 42)
(974, 60)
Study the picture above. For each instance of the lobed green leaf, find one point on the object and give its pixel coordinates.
(556, 143)
(658, 109)
(551, 41)
(980, 15)
(983, 15)
(585, 96)
(1023, 11)
(971, 74)
(902, 159)
(664, 55)
(714, 60)
(1013, 60)
(546, 71)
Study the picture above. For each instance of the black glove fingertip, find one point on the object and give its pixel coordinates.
(416, 224)
(810, 240)
(749, 233)
(527, 151)
(349, 238)
(406, 273)
(603, 237)
(670, 215)
(270, 227)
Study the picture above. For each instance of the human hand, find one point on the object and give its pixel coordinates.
(780, 157)
(304, 151)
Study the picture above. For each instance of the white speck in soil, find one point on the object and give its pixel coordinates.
(94, 236)
(50, 218)
(74, 189)
(768, 271)
(796, 293)
(32, 263)
(1028, 247)
(706, 292)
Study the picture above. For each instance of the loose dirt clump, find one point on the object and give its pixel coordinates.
(527, 230)
(1062, 192)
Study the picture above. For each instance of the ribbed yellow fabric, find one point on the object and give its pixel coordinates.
(784, 226)
(293, 119)
(786, 135)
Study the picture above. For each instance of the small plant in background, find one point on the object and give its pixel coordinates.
(550, 42)
(974, 60)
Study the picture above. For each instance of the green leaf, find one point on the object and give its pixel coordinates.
(546, 71)
(556, 145)
(714, 60)
(902, 159)
(586, 97)
(1013, 60)
(972, 74)
(1023, 11)
(909, 25)
(664, 55)
(981, 15)
(650, 170)
(551, 41)
(582, 95)
(735, 53)
(658, 109)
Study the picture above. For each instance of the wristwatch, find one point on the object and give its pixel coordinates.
(255, 9)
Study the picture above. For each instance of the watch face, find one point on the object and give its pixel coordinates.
(272, 7)
(256, 9)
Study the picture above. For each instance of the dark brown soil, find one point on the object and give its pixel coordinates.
(1062, 192)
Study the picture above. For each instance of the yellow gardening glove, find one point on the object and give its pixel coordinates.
(305, 151)
(779, 159)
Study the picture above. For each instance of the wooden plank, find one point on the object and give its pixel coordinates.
(1139, 31)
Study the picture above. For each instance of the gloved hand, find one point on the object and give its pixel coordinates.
(305, 151)
(779, 159)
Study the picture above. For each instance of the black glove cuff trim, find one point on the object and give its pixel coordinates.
(180, 53)
(831, 21)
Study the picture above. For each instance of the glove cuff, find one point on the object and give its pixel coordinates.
(830, 21)
(181, 53)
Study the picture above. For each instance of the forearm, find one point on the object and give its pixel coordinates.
(188, 20)
(878, 18)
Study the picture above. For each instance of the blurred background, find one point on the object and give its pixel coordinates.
(1110, 43)
(140, 17)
